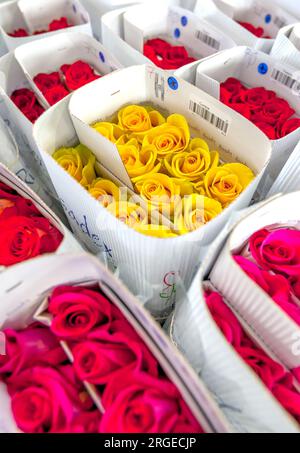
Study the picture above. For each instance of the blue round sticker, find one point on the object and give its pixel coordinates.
(263, 68)
(173, 83)
(268, 18)
(177, 33)
(102, 57)
(184, 21)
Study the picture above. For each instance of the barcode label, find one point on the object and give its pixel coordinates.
(208, 40)
(204, 112)
(286, 80)
(279, 22)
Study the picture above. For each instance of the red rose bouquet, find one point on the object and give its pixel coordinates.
(276, 378)
(259, 32)
(165, 55)
(271, 114)
(49, 395)
(271, 259)
(57, 85)
(24, 232)
(27, 102)
(56, 24)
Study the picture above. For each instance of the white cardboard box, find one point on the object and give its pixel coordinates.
(50, 54)
(253, 68)
(146, 263)
(264, 14)
(35, 15)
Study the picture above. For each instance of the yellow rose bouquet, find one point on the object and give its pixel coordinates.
(177, 176)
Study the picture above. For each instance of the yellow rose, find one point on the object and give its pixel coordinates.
(159, 190)
(227, 182)
(138, 162)
(105, 191)
(193, 163)
(169, 138)
(194, 212)
(158, 231)
(131, 214)
(137, 120)
(109, 130)
(79, 162)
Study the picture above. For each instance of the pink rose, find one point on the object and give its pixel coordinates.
(46, 400)
(278, 251)
(276, 286)
(105, 353)
(224, 318)
(86, 422)
(289, 398)
(140, 403)
(29, 347)
(269, 371)
(76, 311)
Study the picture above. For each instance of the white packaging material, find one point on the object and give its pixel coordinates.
(278, 331)
(151, 261)
(245, 400)
(21, 164)
(289, 178)
(260, 14)
(49, 55)
(287, 46)
(176, 25)
(24, 303)
(97, 9)
(34, 15)
(68, 244)
(254, 69)
(291, 6)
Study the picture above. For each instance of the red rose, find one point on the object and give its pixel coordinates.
(105, 353)
(24, 99)
(46, 400)
(59, 24)
(76, 311)
(269, 371)
(266, 129)
(233, 86)
(166, 56)
(224, 318)
(274, 111)
(31, 346)
(34, 113)
(257, 97)
(47, 81)
(20, 33)
(289, 398)
(242, 109)
(20, 240)
(277, 251)
(287, 127)
(140, 403)
(56, 94)
(78, 74)
(257, 31)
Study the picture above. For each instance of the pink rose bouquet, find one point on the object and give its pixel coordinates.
(275, 377)
(271, 259)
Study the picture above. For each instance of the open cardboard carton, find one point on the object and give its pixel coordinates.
(253, 69)
(176, 26)
(146, 261)
(34, 15)
(49, 55)
(260, 14)
(85, 270)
